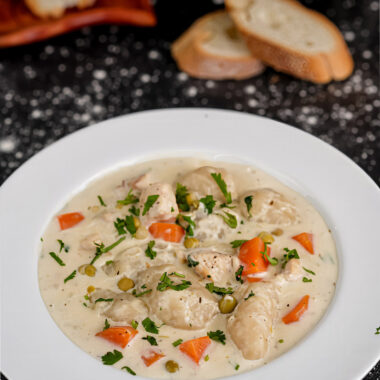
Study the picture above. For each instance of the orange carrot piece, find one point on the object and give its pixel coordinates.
(306, 240)
(69, 220)
(297, 312)
(167, 231)
(251, 255)
(151, 357)
(119, 335)
(195, 348)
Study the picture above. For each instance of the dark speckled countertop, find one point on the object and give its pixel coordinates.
(53, 88)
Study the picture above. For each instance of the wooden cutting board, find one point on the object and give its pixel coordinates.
(19, 26)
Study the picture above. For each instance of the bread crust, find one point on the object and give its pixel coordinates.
(318, 68)
(194, 59)
(57, 12)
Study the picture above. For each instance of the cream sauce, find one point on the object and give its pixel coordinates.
(65, 301)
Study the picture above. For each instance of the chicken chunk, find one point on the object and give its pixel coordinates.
(293, 270)
(251, 324)
(165, 207)
(218, 267)
(88, 243)
(142, 182)
(270, 207)
(191, 308)
(200, 181)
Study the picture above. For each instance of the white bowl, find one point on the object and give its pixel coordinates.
(342, 346)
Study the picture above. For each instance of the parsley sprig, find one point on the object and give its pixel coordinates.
(272, 260)
(149, 252)
(251, 294)
(70, 276)
(191, 262)
(229, 219)
(151, 200)
(62, 245)
(111, 358)
(237, 243)
(126, 224)
(218, 336)
(129, 370)
(209, 203)
(238, 274)
(166, 283)
(150, 326)
(290, 254)
(222, 186)
(151, 339)
(57, 259)
(180, 195)
(177, 342)
(187, 223)
(129, 199)
(100, 249)
(248, 203)
(217, 290)
(101, 201)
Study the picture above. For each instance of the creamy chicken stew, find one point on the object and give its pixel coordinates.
(182, 268)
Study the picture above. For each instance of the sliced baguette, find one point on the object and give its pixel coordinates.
(55, 8)
(213, 49)
(292, 39)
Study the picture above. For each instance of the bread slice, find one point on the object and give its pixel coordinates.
(55, 8)
(213, 49)
(293, 39)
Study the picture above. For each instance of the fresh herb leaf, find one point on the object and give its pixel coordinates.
(112, 357)
(100, 249)
(177, 274)
(134, 324)
(207, 358)
(101, 201)
(130, 199)
(305, 279)
(225, 205)
(180, 195)
(377, 331)
(134, 210)
(84, 304)
(149, 203)
(230, 219)
(129, 370)
(106, 325)
(309, 271)
(150, 326)
(62, 245)
(251, 294)
(217, 290)
(151, 339)
(134, 292)
(41, 238)
(188, 225)
(108, 262)
(209, 203)
(239, 273)
(222, 186)
(281, 341)
(290, 254)
(149, 252)
(237, 366)
(248, 203)
(57, 259)
(237, 243)
(104, 300)
(218, 336)
(86, 297)
(191, 262)
(166, 282)
(70, 277)
(177, 342)
(124, 225)
(271, 260)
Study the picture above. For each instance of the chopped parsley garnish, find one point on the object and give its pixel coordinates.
(124, 225)
(281, 341)
(177, 274)
(271, 260)
(70, 277)
(191, 262)
(130, 199)
(106, 325)
(134, 210)
(217, 290)
(151, 339)
(62, 245)
(377, 331)
(149, 252)
(149, 203)
(109, 262)
(134, 324)
(84, 304)
(166, 283)
(225, 205)
(190, 224)
(218, 336)
(237, 243)
(57, 259)
(129, 370)
(207, 358)
(101, 201)
(134, 292)
(177, 342)
(180, 195)
(104, 300)
(251, 294)
(230, 219)
(305, 279)
(237, 366)
(239, 273)
(248, 203)
(308, 271)
(100, 249)
(209, 203)
(222, 186)
(112, 357)
(150, 326)
(290, 254)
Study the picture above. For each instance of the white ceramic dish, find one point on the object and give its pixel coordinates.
(342, 346)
